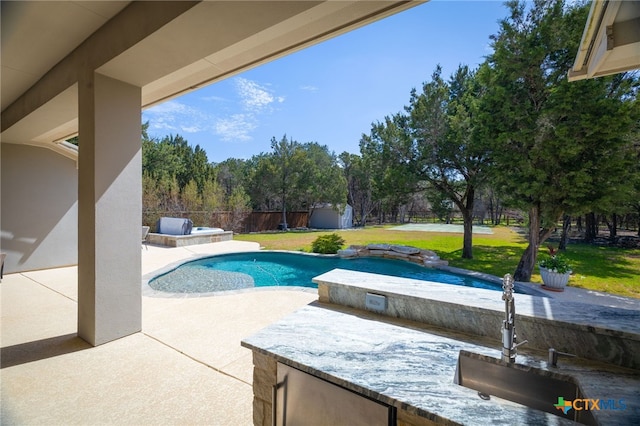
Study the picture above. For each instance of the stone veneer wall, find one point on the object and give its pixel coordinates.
(264, 379)
(598, 343)
(188, 240)
(411, 254)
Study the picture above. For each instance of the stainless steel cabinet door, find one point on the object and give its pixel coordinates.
(305, 400)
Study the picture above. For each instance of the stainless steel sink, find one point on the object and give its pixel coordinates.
(532, 387)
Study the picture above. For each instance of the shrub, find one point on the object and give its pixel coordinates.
(327, 244)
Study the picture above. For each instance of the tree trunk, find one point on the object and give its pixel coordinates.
(528, 260)
(309, 215)
(525, 266)
(499, 210)
(467, 218)
(492, 212)
(467, 240)
(284, 214)
(613, 227)
(566, 224)
(536, 237)
(590, 227)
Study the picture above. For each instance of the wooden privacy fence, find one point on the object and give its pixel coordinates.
(254, 222)
(267, 221)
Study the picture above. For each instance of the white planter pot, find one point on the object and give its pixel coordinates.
(553, 280)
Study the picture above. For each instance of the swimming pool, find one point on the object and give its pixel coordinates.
(273, 268)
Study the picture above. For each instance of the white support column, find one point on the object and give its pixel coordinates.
(109, 209)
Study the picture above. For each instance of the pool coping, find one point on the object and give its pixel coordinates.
(147, 290)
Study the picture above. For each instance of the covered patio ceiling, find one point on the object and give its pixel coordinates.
(610, 42)
(165, 47)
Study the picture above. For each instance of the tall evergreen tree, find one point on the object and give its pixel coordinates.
(448, 151)
(387, 151)
(540, 126)
(286, 167)
(359, 177)
(321, 179)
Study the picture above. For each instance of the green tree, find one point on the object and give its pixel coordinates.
(448, 151)
(151, 199)
(160, 160)
(386, 151)
(603, 161)
(321, 179)
(286, 164)
(441, 205)
(633, 203)
(169, 192)
(540, 127)
(528, 61)
(198, 167)
(191, 200)
(261, 182)
(184, 153)
(232, 173)
(239, 207)
(359, 177)
(213, 197)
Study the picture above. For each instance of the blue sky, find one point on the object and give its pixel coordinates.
(331, 93)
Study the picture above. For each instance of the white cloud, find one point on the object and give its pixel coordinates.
(174, 116)
(252, 103)
(253, 96)
(237, 127)
(255, 101)
(309, 88)
(213, 98)
(191, 129)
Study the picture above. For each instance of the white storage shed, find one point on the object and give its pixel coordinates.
(327, 216)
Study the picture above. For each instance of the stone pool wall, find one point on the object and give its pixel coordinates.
(189, 240)
(594, 332)
(412, 254)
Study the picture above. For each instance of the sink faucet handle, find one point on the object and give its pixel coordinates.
(554, 354)
(519, 344)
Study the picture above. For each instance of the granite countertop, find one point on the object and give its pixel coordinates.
(402, 364)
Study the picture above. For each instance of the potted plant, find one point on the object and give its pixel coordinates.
(555, 271)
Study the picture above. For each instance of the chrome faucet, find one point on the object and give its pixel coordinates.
(509, 344)
(554, 355)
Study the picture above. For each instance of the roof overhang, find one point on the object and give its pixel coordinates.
(610, 42)
(166, 48)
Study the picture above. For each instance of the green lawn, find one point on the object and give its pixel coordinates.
(605, 269)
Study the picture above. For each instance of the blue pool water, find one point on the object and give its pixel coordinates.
(261, 269)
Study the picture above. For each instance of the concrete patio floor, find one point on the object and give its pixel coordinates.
(185, 367)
